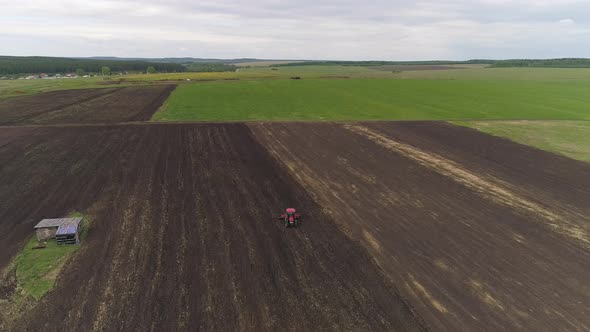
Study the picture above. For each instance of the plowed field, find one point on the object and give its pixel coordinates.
(478, 232)
(85, 106)
(184, 235)
(407, 226)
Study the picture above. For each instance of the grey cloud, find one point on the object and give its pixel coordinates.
(328, 29)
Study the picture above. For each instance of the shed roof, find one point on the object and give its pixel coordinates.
(64, 223)
(67, 229)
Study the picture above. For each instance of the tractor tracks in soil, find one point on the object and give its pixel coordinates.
(458, 232)
(492, 188)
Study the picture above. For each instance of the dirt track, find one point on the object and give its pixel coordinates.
(85, 106)
(434, 213)
(184, 235)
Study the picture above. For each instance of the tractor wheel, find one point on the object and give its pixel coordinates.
(286, 224)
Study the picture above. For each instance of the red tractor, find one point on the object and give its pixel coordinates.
(290, 217)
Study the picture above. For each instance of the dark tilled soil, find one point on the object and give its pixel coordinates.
(466, 259)
(541, 175)
(184, 235)
(25, 109)
(38, 166)
(85, 106)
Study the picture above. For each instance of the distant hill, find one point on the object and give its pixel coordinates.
(11, 65)
(185, 60)
(547, 63)
(384, 63)
(16, 65)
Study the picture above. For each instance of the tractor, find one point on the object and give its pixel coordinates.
(290, 217)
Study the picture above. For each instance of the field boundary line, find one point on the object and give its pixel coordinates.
(197, 122)
(487, 186)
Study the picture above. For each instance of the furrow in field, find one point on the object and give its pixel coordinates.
(26, 108)
(85, 106)
(486, 185)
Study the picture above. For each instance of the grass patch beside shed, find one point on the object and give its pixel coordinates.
(37, 269)
(33, 273)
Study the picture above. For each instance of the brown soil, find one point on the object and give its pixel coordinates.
(85, 106)
(110, 82)
(24, 108)
(449, 214)
(533, 172)
(184, 235)
(7, 285)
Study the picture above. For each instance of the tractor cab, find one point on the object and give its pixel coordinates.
(290, 214)
(290, 217)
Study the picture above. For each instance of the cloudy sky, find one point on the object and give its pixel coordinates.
(297, 29)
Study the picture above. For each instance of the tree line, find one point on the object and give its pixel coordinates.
(10, 65)
(210, 67)
(549, 63)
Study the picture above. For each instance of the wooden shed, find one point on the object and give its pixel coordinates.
(64, 230)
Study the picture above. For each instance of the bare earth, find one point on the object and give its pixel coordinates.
(85, 106)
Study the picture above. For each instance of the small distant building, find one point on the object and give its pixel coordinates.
(63, 230)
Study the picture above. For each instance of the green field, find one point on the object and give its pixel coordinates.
(378, 99)
(335, 92)
(512, 74)
(17, 87)
(307, 72)
(10, 88)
